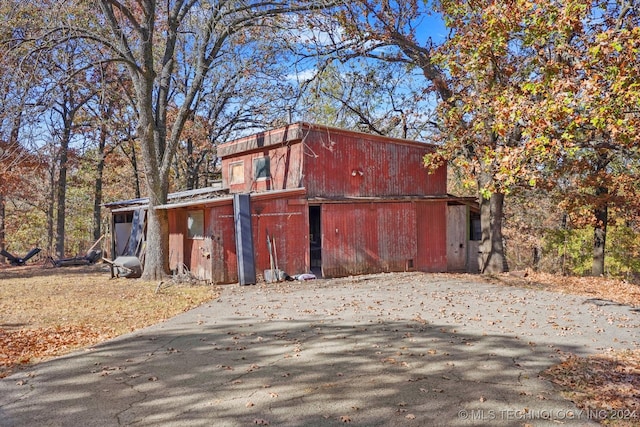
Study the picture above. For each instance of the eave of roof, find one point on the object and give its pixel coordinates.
(187, 195)
(297, 132)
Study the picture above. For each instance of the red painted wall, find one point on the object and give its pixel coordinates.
(367, 238)
(361, 166)
(334, 163)
(285, 168)
(213, 256)
(431, 230)
(285, 221)
(381, 237)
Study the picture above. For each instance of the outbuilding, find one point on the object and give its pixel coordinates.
(309, 198)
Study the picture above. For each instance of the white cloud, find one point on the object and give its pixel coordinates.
(302, 75)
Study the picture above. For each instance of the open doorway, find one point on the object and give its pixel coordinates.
(315, 240)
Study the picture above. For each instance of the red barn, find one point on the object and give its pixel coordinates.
(319, 199)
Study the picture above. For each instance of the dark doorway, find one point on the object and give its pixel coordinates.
(315, 240)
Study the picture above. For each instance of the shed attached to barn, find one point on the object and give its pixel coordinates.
(312, 198)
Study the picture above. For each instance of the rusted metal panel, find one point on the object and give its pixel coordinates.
(285, 170)
(286, 222)
(359, 166)
(220, 228)
(368, 238)
(431, 230)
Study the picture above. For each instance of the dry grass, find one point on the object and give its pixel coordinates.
(50, 312)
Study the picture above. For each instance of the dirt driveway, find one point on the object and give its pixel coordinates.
(382, 350)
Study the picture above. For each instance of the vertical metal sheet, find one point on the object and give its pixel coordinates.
(431, 230)
(285, 222)
(244, 239)
(368, 238)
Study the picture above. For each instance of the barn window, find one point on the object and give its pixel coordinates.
(195, 224)
(236, 173)
(261, 168)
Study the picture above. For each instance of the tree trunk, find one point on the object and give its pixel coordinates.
(2, 228)
(599, 239)
(51, 207)
(493, 259)
(156, 259)
(97, 192)
(61, 192)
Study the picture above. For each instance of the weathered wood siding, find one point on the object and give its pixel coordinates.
(457, 237)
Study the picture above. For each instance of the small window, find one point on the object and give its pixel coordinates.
(195, 224)
(261, 168)
(236, 173)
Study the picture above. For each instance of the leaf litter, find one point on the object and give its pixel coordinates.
(606, 384)
(47, 313)
(50, 312)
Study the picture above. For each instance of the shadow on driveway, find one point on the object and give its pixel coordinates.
(388, 350)
(293, 373)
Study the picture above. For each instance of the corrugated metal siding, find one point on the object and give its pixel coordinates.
(367, 238)
(213, 257)
(344, 165)
(287, 222)
(431, 236)
(220, 227)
